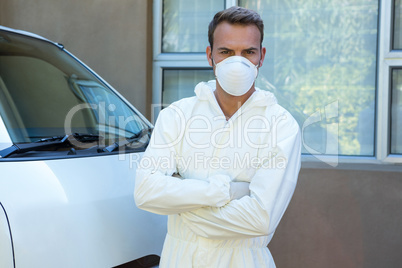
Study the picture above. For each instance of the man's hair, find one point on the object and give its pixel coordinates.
(235, 15)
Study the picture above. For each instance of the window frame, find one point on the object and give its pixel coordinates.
(387, 58)
(162, 61)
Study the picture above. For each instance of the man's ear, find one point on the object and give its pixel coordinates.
(263, 51)
(209, 55)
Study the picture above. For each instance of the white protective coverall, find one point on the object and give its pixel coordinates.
(186, 171)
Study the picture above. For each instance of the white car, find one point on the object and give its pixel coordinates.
(69, 148)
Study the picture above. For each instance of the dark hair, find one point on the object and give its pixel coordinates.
(235, 15)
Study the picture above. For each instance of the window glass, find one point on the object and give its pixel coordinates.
(178, 84)
(44, 92)
(396, 112)
(185, 24)
(397, 24)
(321, 65)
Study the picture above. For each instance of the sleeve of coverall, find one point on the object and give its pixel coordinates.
(157, 191)
(271, 189)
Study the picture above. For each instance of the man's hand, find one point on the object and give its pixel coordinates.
(239, 189)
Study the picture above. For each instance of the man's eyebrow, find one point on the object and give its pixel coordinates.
(251, 48)
(224, 48)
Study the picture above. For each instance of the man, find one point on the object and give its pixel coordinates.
(223, 164)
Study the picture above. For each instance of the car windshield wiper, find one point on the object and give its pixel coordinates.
(46, 142)
(86, 137)
(26, 147)
(135, 138)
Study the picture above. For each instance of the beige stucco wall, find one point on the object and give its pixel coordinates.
(112, 37)
(342, 218)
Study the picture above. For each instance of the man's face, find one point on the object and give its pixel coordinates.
(236, 40)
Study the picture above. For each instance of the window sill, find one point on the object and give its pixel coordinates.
(350, 163)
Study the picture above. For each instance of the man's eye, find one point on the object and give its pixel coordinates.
(250, 52)
(224, 52)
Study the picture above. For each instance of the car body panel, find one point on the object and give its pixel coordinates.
(79, 201)
(6, 250)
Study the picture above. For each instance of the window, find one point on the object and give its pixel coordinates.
(320, 53)
(396, 87)
(327, 62)
(178, 84)
(397, 44)
(180, 34)
(396, 112)
(185, 24)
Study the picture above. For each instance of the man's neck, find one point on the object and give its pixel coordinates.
(230, 104)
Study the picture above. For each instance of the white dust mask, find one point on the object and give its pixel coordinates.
(236, 75)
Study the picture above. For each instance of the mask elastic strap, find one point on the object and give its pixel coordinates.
(213, 62)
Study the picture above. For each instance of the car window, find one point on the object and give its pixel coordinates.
(44, 92)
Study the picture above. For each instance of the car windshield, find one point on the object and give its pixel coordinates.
(45, 92)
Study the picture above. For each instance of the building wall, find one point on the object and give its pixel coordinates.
(112, 37)
(337, 218)
(342, 218)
